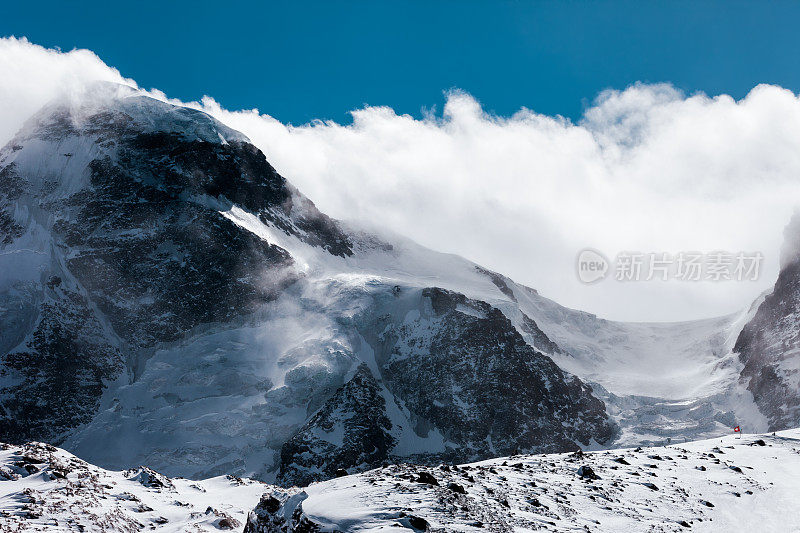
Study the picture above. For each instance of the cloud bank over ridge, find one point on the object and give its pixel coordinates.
(647, 169)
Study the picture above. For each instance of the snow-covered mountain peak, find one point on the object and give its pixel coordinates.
(169, 299)
(105, 105)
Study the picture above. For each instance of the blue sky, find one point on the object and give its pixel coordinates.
(304, 60)
(649, 170)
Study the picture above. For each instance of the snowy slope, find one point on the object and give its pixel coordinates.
(726, 484)
(659, 380)
(732, 483)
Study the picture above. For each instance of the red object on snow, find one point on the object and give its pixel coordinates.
(736, 429)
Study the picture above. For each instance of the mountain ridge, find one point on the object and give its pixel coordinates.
(232, 314)
(234, 307)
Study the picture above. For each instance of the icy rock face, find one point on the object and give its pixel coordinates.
(466, 384)
(478, 382)
(769, 345)
(59, 372)
(350, 431)
(113, 242)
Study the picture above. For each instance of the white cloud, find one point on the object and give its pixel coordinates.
(31, 75)
(647, 169)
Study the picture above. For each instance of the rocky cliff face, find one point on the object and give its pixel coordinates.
(463, 381)
(111, 212)
(769, 344)
(167, 298)
(351, 431)
(488, 391)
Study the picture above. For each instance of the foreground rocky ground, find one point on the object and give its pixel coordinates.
(712, 485)
(43, 488)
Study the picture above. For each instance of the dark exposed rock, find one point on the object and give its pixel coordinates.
(538, 337)
(528, 326)
(357, 412)
(149, 284)
(151, 479)
(59, 374)
(427, 478)
(419, 524)
(499, 282)
(147, 255)
(508, 393)
(586, 472)
(767, 345)
(266, 518)
(224, 520)
(455, 487)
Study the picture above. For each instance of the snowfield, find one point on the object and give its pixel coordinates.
(742, 483)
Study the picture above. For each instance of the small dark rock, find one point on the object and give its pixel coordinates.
(420, 524)
(586, 472)
(427, 478)
(227, 522)
(340, 472)
(270, 503)
(455, 487)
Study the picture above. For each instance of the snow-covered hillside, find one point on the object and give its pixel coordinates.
(742, 483)
(43, 488)
(725, 484)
